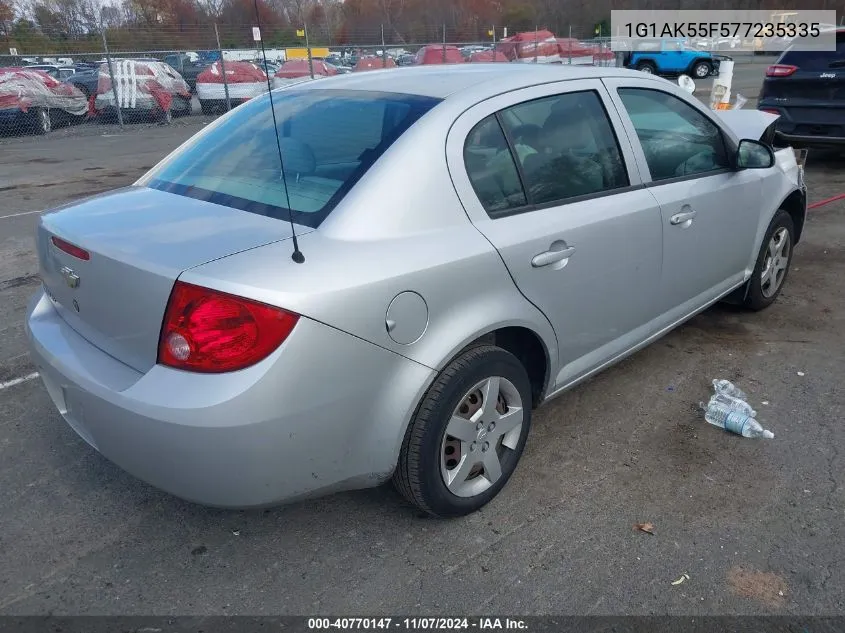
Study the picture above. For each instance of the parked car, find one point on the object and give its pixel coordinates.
(187, 67)
(546, 223)
(145, 89)
(87, 74)
(62, 73)
(32, 100)
(672, 57)
(245, 80)
(85, 79)
(299, 70)
(270, 68)
(719, 43)
(806, 89)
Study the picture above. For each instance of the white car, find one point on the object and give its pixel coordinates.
(719, 43)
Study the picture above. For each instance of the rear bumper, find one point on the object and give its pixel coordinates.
(325, 412)
(798, 140)
(824, 126)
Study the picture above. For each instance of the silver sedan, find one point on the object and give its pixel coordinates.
(386, 278)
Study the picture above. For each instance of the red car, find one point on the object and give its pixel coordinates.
(34, 101)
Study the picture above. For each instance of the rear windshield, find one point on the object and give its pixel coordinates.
(816, 60)
(328, 140)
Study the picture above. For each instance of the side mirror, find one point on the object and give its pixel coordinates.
(754, 155)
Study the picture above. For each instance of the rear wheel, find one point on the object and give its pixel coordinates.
(773, 263)
(467, 435)
(647, 67)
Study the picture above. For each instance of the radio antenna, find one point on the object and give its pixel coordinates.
(297, 255)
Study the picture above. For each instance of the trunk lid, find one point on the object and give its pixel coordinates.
(139, 241)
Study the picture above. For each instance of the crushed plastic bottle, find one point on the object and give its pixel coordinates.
(734, 421)
(727, 388)
(733, 403)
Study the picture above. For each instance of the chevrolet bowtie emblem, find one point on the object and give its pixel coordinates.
(70, 277)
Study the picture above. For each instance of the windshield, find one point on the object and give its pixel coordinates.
(328, 138)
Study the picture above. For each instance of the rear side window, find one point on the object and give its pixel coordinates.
(565, 146)
(491, 167)
(544, 151)
(816, 60)
(328, 138)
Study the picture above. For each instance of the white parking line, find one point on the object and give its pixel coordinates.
(17, 215)
(17, 381)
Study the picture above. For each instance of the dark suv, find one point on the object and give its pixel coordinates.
(807, 89)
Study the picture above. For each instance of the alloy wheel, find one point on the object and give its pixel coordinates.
(702, 71)
(484, 427)
(44, 123)
(776, 263)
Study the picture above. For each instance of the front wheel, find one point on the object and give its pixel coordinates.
(773, 263)
(467, 435)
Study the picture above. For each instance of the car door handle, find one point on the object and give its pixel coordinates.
(552, 256)
(680, 218)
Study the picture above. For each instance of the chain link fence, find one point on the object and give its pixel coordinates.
(124, 78)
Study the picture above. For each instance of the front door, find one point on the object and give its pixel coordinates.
(710, 210)
(547, 180)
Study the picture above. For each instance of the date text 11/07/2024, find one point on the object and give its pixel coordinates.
(417, 624)
(722, 29)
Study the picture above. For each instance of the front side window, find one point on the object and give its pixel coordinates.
(328, 139)
(677, 139)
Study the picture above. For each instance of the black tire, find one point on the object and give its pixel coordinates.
(701, 70)
(647, 67)
(755, 298)
(418, 477)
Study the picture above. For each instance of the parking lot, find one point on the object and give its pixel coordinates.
(756, 525)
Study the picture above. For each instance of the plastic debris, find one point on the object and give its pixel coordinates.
(683, 578)
(727, 388)
(800, 373)
(728, 410)
(735, 421)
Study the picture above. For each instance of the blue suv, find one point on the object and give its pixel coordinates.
(672, 57)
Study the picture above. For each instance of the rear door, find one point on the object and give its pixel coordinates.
(807, 88)
(544, 175)
(710, 211)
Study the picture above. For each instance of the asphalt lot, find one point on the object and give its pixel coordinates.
(757, 526)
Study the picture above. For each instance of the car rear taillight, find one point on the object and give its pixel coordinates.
(213, 332)
(780, 70)
(70, 249)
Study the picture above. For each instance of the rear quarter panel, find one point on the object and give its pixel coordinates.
(399, 229)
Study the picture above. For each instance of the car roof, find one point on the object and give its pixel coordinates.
(446, 80)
